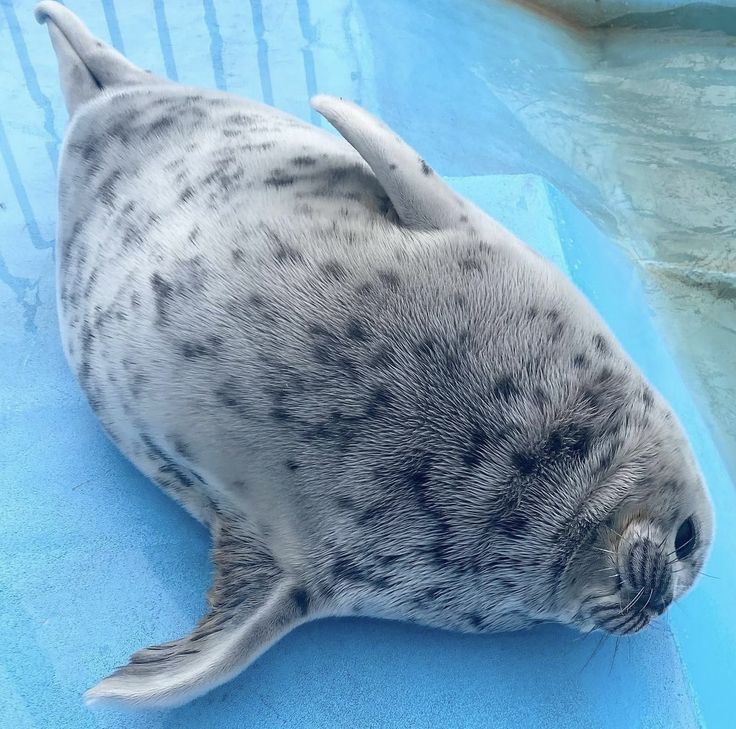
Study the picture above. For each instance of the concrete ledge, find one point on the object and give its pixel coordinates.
(590, 13)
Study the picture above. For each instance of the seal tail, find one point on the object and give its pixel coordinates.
(87, 66)
(253, 604)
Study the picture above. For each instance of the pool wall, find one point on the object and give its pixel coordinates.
(590, 13)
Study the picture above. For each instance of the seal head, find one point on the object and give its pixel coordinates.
(649, 550)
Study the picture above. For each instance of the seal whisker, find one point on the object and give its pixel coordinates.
(603, 639)
(638, 595)
(608, 569)
(644, 606)
(615, 651)
(700, 573)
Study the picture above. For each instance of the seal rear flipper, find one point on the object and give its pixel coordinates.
(86, 64)
(253, 603)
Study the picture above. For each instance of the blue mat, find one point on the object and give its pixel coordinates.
(95, 562)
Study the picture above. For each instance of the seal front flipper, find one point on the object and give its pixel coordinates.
(253, 603)
(86, 64)
(421, 198)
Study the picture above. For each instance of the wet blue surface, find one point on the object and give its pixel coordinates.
(95, 562)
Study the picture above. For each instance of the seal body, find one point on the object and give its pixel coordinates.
(378, 400)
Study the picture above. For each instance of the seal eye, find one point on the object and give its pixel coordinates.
(685, 539)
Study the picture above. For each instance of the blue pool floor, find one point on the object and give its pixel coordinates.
(95, 562)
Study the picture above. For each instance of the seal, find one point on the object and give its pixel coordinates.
(378, 400)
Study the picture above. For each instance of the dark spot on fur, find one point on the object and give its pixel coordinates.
(238, 255)
(167, 468)
(533, 312)
(186, 194)
(257, 300)
(591, 397)
(382, 357)
(246, 120)
(600, 344)
(505, 388)
(554, 444)
(475, 620)
(467, 264)
(333, 269)
(194, 350)
(392, 166)
(513, 526)
(416, 475)
(363, 289)
(426, 347)
(525, 463)
(279, 178)
(426, 169)
(606, 373)
(356, 331)
(228, 395)
(647, 398)
(106, 190)
(182, 448)
(161, 125)
(605, 461)
(463, 218)
(580, 361)
(379, 401)
(292, 465)
(304, 161)
(300, 598)
(474, 451)
(579, 441)
(286, 253)
(573, 440)
(345, 568)
(345, 503)
(375, 513)
(390, 279)
(162, 292)
(460, 300)
(280, 414)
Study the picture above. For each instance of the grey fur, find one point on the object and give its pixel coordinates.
(378, 400)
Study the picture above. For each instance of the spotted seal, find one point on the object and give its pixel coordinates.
(378, 400)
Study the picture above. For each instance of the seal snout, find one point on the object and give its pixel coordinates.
(645, 581)
(646, 575)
